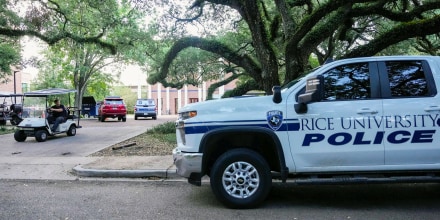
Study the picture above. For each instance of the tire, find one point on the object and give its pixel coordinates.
(71, 131)
(154, 118)
(20, 136)
(135, 118)
(86, 115)
(119, 118)
(241, 178)
(124, 119)
(102, 119)
(41, 135)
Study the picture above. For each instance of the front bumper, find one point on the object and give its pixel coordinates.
(187, 164)
(145, 114)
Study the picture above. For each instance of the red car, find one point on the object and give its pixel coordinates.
(112, 107)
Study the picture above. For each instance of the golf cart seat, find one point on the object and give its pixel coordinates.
(16, 108)
(70, 114)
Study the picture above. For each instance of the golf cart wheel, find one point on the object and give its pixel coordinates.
(20, 136)
(72, 130)
(86, 115)
(124, 119)
(241, 178)
(41, 135)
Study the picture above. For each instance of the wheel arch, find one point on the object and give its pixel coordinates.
(262, 140)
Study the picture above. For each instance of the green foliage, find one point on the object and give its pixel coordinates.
(165, 132)
(6, 130)
(165, 128)
(9, 56)
(128, 95)
(274, 42)
(84, 66)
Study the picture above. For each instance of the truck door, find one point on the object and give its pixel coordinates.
(344, 128)
(411, 113)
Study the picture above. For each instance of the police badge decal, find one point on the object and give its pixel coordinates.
(275, 119)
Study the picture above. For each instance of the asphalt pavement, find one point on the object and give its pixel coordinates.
(67, 158)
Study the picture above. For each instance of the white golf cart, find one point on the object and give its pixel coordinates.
(35, 124)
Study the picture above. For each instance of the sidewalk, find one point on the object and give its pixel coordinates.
(129, 167)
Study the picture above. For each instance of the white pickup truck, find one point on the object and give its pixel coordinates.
(373, 119)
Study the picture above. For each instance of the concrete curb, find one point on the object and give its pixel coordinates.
(160, 173)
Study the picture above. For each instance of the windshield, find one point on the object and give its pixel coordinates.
(34, 107)
(145, 102)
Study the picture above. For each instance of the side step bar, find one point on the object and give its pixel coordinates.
(413, 177)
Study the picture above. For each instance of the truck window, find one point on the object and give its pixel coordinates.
(347, 82)
(407, 79)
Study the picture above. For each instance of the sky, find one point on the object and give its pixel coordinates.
(32, 47)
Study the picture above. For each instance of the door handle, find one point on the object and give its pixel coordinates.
(432, 108)
(367, 111)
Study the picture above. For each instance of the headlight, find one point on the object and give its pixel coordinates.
(186, 115)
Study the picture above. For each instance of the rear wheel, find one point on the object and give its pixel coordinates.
(135, 118)
(41, 135)
(154, 118)
(241, 178)
(102, 118)
(20, 136)
(124, 119)
(72, 130)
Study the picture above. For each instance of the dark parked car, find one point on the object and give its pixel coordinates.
(145, 108)
(112, 107)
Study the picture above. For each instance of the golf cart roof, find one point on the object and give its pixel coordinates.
(48, 92)
(7, 94)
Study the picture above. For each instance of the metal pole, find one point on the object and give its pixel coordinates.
(15, 88)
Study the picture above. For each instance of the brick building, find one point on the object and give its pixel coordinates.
(169, 100)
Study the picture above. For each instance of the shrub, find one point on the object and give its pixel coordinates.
(165, 128)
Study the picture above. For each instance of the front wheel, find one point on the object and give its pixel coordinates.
(41, 135)
(20, 136)
(241, 178)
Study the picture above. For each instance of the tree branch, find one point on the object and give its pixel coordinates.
(56, 38)
(418, 28)
(212, 46)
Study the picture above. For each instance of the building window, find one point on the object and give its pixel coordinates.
(24, 87)
(192, 100)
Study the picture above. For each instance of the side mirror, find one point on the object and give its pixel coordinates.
(314, 92)
(277, 94)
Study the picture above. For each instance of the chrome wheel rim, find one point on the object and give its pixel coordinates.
(240, 180)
